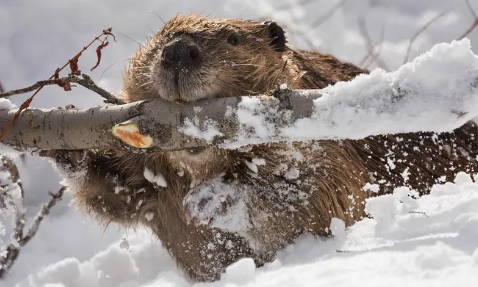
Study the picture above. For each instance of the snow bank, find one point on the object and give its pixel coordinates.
(437, 92)
(430, 241)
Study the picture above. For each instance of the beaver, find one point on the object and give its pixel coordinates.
(210, 207)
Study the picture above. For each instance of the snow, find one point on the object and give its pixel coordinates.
(149, 216)
(157, 179)
(240, 272)
(208, 131)
(371, 187)
(10, 206)
(217, 192)
(434, 246)
(6, 104)
(437, 91)
(252, 166)
(258, 161)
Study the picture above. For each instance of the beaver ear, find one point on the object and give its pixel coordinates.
(276, 33)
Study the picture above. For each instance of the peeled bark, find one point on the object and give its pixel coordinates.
(93, 128)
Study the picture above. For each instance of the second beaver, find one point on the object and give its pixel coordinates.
(211, 207)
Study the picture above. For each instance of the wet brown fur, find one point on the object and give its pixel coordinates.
(331, 173)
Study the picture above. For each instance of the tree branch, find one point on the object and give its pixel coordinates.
(13, 249)
(418, 33)
(328, 14)
(11, 197)
(373, 50)
(475, 22)
(85, 81)
(44, 211)
(420, 96)
(303, 33)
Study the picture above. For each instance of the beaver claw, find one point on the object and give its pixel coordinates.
(215, 204)
(195, 220)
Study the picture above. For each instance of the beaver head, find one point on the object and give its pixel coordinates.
(193, 58)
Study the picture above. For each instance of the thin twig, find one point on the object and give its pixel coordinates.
(329, 14)
(376, 56)
(373, 50)
(368, 41)
(20, 221)
(13, 250)
(420, 31)
(85, 81)
(287, 6)
(1, 88)
(474, 24)
(470, 8)
(303, 34)
(419, 212)
(300, 34)
(45, 210)
(73, 61)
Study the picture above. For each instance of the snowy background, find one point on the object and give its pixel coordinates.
(435, 245)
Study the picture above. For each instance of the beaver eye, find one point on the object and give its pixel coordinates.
(233, 39)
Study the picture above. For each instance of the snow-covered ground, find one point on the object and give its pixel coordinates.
(431, 241)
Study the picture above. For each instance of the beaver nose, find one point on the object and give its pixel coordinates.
(179, 54)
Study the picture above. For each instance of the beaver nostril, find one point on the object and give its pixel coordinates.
(168, 55)
(180, 54)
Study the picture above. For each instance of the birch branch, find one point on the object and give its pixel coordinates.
(437, 92)
(84, 81)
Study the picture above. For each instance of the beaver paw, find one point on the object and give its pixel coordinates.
(217, 204)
